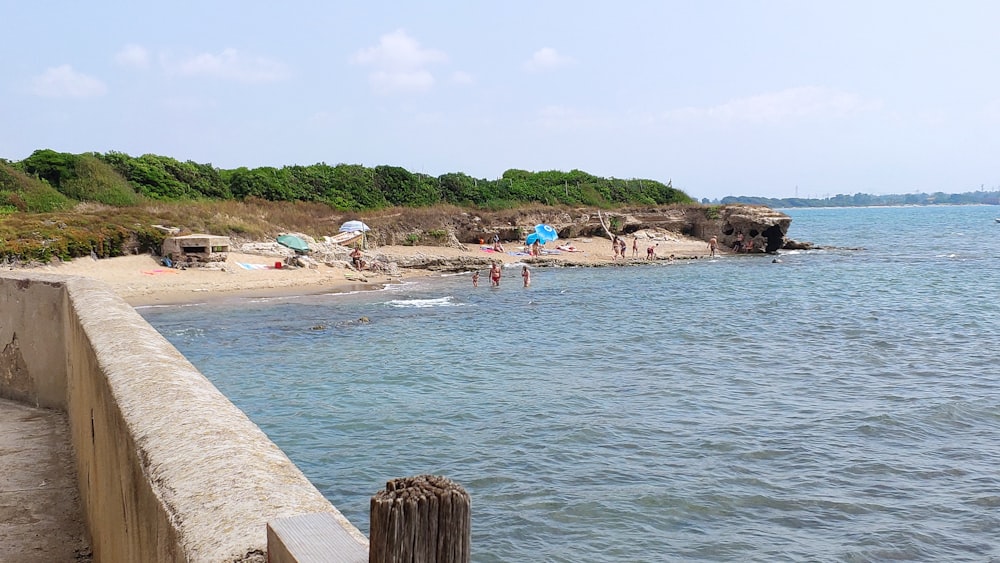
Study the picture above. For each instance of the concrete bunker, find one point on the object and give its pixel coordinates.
(196, 249)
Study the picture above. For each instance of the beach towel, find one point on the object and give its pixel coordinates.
(253, 266)
(158, 271)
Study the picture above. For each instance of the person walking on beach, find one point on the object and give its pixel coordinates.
(526, 274)
(635, 246)
(495, 275)
(651, 252)
(475, 278)
(713, 245)
(614, 247)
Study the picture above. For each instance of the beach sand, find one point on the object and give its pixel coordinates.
(142, 280)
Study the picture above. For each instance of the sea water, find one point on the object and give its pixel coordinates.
(841, 404)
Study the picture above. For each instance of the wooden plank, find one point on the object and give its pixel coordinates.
(312, 538)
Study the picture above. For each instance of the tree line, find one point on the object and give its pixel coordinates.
(49, 180)
(869, 200)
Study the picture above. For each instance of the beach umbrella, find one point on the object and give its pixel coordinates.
(354, 227)
(543, 233)
(293, 242)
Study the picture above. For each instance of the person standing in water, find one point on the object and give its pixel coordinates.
(495, 274)
(475, 278)
(713, 245)
(526, 274)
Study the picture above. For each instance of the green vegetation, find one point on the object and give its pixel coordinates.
(118, 179)
(55, 204)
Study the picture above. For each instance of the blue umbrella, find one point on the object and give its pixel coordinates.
(543, 233)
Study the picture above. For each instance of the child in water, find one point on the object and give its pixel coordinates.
(526, 274)
(475, 278)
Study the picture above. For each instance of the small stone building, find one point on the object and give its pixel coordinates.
(193, 249)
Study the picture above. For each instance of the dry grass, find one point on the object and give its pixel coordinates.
(94, 225)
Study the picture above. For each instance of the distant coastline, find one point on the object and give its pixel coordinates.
(869, 200)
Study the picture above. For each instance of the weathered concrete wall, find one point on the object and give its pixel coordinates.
(32, 342)
(168, 468)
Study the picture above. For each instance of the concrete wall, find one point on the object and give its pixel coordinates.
(168, 468)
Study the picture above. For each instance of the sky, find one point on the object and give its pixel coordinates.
(804, 98)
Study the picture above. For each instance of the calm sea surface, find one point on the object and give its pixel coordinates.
(841, 405)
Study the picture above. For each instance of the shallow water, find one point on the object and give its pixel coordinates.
(840, 405)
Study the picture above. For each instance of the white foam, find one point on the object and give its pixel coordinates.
(446, 301)
(168, 306)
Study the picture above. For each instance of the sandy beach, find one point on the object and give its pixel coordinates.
(143, 280)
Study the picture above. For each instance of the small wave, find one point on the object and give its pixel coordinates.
(347, 293)
(446, 301)
(169, 306)
(273, 298)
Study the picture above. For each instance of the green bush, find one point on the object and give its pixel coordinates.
(94, 180)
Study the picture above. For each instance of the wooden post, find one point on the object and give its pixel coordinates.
(424, 519)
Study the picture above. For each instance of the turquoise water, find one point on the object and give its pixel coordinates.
(841, 405)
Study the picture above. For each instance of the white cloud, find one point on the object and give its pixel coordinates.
(133, 55)
(384, 82)
(230, 64)
(786, 105)
(459, 77)
(399, 64)
(64, 82)
(546, 59)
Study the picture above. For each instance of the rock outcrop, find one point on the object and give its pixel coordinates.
(763, 228)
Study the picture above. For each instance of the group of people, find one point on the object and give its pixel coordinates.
(739, 245)
(742, 245)
(496, 272)
(620, 247)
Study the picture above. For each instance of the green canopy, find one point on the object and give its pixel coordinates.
(293, 242)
